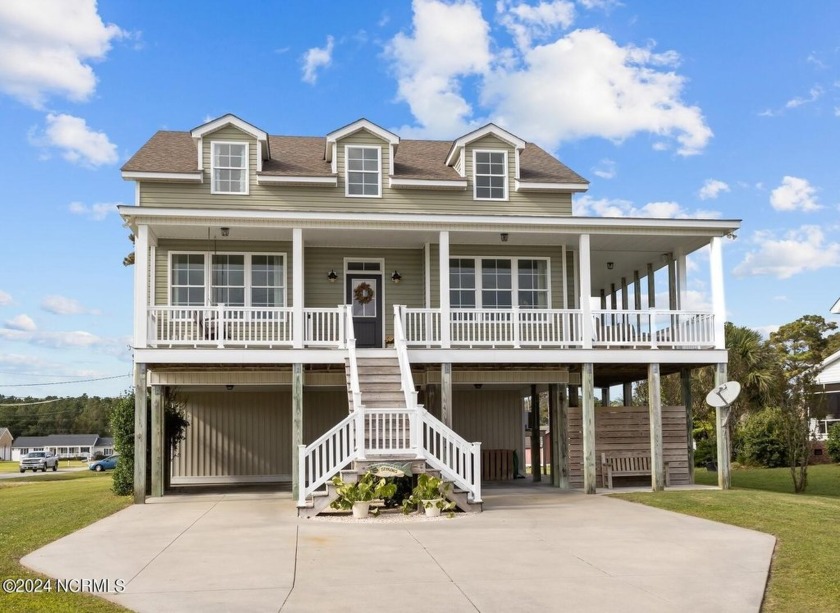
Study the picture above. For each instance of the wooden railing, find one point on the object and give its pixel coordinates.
(219, 325)
(653, 328)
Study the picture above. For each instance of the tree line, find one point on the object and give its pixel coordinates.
(70, 415)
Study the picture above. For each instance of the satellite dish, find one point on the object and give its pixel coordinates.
(724, 394)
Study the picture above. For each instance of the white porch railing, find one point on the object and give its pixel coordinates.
(496, 327)
(219, 325)
(653, 328)
(324, 327)
(326, 456)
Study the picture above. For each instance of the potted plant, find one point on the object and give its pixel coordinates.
(430, 493)
(357, 496)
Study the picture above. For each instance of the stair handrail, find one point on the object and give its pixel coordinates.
(335, 450)
(355, 389)
(401, 345)
(457, 459)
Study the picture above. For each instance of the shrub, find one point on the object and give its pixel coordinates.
(122, 426)
(705, 452)
(833, 442)
(761, 441)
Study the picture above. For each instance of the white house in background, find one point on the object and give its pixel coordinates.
(322, 302)
(64, 445)
(829, 379)
(6, 439)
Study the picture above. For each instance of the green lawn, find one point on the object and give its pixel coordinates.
(803, 575)
(39, 510)
(13, 467)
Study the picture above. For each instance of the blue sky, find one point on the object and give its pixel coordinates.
(719, 109)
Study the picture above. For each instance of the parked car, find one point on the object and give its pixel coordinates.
(108, 463)
(39, 460)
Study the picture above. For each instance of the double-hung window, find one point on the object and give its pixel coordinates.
(230, 168)
(187, 283)
(490, 170)
(499, 283)
(363, 171)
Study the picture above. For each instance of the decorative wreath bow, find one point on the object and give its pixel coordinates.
(363, 293)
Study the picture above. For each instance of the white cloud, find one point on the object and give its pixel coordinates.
(449, 41)
(605, 169)
(587, 206)
(61, 305)
(794, 194)
(96, 212)
(599, 4)
(56, 340)
(5, 298)
(46, 48)
(799, 250)
(316, 58)
(628, 89)
(813, 95)
(21, 322)
(77, 142)
(712, 188)
(527, 22)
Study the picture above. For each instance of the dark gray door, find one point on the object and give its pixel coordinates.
(364, 294)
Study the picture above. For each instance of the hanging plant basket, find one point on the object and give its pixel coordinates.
(363, 293)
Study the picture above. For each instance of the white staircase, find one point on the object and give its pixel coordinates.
(386, 424)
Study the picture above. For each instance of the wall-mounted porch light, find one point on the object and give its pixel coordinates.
(332, 276)
(229, 387)
(225, 231)
(610, 265)
(504, 237)
(396, 277)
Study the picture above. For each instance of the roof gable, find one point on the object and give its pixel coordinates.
(491, 128)
(228, 120)
(360, 124)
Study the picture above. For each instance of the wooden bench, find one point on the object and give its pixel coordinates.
(627, 464)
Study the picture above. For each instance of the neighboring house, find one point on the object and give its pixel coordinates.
(6, 439)
(64, 445)
(314, 290)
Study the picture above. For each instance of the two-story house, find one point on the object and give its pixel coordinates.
(316, 301)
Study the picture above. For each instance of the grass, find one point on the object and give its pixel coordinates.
(39, 510)
(803, 574)
(13, 467)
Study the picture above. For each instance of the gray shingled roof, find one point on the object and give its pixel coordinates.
(304, 156)
(57, 440)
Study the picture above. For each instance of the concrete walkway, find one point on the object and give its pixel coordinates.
(533, 549)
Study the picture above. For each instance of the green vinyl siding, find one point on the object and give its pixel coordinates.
(320, 293)
(332, 199)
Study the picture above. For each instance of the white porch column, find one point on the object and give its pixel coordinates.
(584, 272)
(140, 424)
(158, 444)
(718, 302)
(297, 425)
(722, 433)
(141, 286)
(657, 463)
(297, 288)
(587, 381)
(446, 394)
(682, 279)
(443, 267)
(651, 287)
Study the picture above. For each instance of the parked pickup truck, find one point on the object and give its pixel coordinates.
(39, 460)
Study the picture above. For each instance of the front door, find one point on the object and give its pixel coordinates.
(364, 294)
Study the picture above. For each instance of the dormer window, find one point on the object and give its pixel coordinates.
(363, 171)
(490, 170)
(230, 168)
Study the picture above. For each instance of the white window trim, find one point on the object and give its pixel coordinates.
(247, 169)
(208, 270)
(506, 175)
(514, 281)
(347, 170)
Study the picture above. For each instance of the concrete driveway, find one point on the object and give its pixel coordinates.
(533, 549)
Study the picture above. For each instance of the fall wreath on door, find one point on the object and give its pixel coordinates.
(363, 293)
